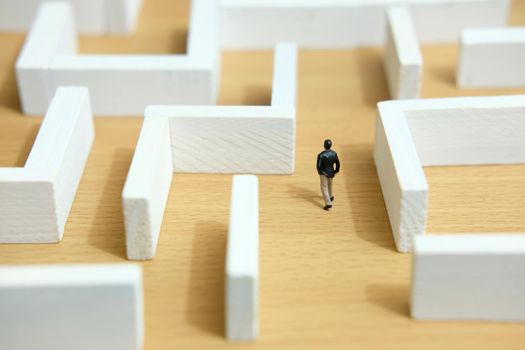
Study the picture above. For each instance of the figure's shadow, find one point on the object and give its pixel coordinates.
(306, 194)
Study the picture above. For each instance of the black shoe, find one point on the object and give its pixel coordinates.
(326, 207)
(332, 198)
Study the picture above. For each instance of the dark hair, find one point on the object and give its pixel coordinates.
(327, 144)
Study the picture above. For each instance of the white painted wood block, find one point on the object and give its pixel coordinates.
(230, 139)
(123, 15)
(403, 182)
(492, 58)
(469, 278)
(92, 17)
(203, 48)
(317, 24)
(238, 139)
(66, 307)
(52, 34)
(403, 60)
(440, 132)
(468, 130)
(285, 67)
(146, 190)
(37, 199)
(136, 80)
(209, 139)
(242, 260)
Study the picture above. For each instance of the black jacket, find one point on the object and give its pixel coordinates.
(325, 163)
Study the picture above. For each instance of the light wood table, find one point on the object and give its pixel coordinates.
(329, 280)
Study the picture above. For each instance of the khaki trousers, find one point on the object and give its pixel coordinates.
(326, 189)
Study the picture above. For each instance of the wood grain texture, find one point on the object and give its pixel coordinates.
(327, 279)
(231, 139)
(455, 134)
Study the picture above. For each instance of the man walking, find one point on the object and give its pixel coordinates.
(325, 167)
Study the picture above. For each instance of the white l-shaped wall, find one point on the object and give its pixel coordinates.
(411, 134)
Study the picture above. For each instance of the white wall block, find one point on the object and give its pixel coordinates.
(284, 84)
(469, 277)
(203, 47)
(403, 60)
(66, 307)
(51, 34)
(260, 24)
(135, 80)
(37, 199)
(242, 260)
(440, 132)
(207, 139)
(403, 182)
(238, 139)
(123, 15)
(91, 16)
(146, 190)
(492, 58)
(230, 139)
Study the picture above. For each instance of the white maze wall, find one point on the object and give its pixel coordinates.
(119, 84)
(93, 17)
(192, 79)
(328, 24)
(439, 132)
(37, 198)
(469, 278)
(492, 58)
(207, 139)
(64, 307)
(242, 261)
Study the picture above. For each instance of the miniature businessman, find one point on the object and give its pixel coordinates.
(325, 167)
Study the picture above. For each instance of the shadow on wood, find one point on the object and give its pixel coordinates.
(179, 44)
(444, 74)
(107, 228)
(367, 206)
(392, 297)
(206, 286)
(372, 76)
(306, 194)
(257, 95)
(8, 92)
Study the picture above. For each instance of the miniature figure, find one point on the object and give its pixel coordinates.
(325, 167)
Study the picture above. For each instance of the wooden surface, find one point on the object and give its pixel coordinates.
(328, 279)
